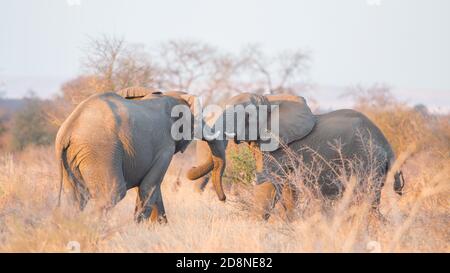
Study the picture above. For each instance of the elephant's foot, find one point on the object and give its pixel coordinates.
(142, 218)
(289, 202)
(157, 216)
(152, 215)
(144, 214)
(162, 219)
(265, 198)
(139, 218)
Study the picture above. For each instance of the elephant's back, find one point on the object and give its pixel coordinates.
(83, 119)
(96, 123)
(362, 127)
(106, 125)
(336, 125)
(339, 138)
(349, 122)
(100, 115)
(102, 122)
(347, 130)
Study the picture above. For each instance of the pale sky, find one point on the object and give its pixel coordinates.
(404, 43)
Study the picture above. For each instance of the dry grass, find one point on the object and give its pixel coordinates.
(30, 222)
(419, 221)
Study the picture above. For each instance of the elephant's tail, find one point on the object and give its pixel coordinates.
(62, 156)
(399, 180)
(73, 176)
(62, 143)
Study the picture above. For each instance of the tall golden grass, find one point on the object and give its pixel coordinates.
(418, 221)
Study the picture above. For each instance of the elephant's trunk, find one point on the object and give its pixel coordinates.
(216, 163)
(202, 170)
(219, 167)
(218, 157)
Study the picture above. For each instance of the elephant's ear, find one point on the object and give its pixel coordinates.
(295, 117)
(136, 92)
(251, 104)
(248, 98)
(195, 108)
(191, 100)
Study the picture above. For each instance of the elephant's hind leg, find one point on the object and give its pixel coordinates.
(158, 213)
(82, 195)
(375, 198)
(149, 204)
(289, 200)
(106, 183)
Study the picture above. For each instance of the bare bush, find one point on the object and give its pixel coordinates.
(401, 124)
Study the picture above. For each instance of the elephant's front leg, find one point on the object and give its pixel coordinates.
(290, 196)
(160, 213)
(149, 204)
(266, 197)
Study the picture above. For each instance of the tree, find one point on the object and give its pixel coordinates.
(422, 109)
(377, 96)
(112, 64)
(193, 65)
(185, 64)
(281, 73)
(76, 90)
(200, 68)
(118, 65)
(30, 125)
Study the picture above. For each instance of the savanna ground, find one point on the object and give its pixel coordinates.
(418, 221)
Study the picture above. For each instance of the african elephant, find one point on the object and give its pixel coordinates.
(309, 137)
(113, 142)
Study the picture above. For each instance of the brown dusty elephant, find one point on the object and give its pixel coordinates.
(310, 138)
(113, 142)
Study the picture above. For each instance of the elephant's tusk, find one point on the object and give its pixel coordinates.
(213, 136)
(230, 135)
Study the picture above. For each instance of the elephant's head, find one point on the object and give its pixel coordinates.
(171, 99)
(289, 114)
(216, 157)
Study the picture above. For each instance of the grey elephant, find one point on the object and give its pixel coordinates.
(310, 138)
(113, 142)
